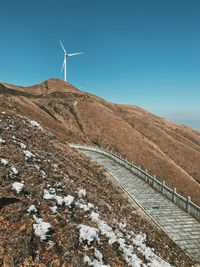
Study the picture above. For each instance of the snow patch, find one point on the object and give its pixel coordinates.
(41, 228)
(84, 206)
(67, 200)
(98, 255)
(4, 161)
(18, 187)
(155, 261)
(82, 193)
(58, 199)
(2, 142)
(28, 155)
(54, 209)
(48, 195)
(94, 216)
(22, 145)
(32, 209)
(13, 172)
(88, 233)
(136, 243)
(117, 237)
(35, 124)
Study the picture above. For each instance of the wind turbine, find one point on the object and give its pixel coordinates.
(64, 66)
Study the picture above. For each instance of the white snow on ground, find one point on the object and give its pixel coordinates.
(81, 203)
(54, 209)
(28, 155)
(4, 161)
(98, 255)
(88, 233)
(128, 242)
(85, 206)
(67, 200)
(58, 199)
(2, 141)
(48, 195)
(82, 193)
(35, 124)
(128, 249)
(155, 261)
(13, 171)
(22, 145)
(94, 216)
(41, 228)
(32, 209)
(18, 187)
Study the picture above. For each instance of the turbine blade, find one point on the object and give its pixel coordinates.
(64, 62)
(75, 54)
(63, 47)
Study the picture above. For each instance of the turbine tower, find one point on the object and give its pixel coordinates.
(64, 66)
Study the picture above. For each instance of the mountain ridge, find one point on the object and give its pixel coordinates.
(166, 149)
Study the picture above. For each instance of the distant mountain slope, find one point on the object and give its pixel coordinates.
(168, 150)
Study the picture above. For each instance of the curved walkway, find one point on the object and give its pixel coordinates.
(180, 226)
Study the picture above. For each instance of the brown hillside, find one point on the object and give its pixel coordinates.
(58, 208)
(168, 150)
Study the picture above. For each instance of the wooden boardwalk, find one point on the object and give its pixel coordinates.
(179, 225)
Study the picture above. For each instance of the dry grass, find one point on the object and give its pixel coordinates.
(74, 171)
(168, 150)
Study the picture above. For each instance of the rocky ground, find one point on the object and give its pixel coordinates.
(57, 208)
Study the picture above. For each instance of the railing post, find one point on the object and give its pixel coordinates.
(174, 195)
(154, 178)
(163, 187)
(139, 170)
(188, 203)
(146, 175)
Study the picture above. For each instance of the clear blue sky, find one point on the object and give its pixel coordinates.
(142, 52)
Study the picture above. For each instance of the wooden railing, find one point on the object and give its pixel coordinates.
(184, 203)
